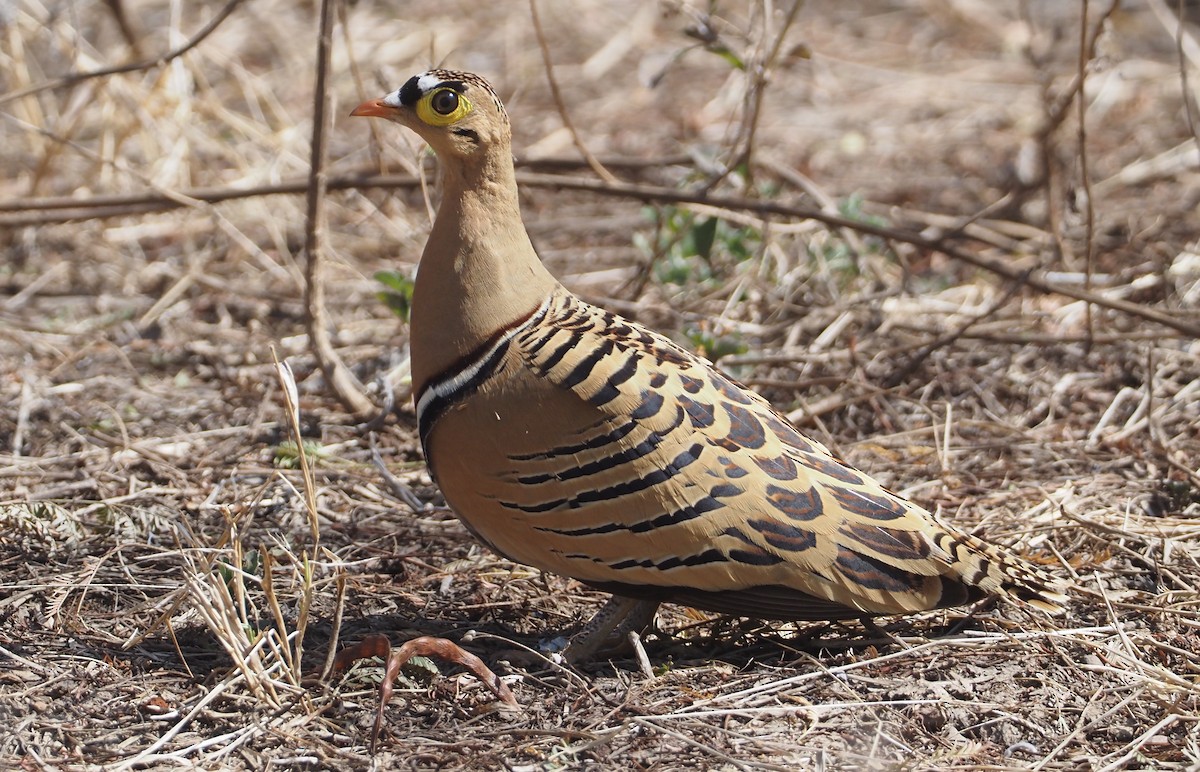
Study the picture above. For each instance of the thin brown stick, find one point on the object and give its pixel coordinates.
(658, 194)
(1189, 99)
(117, 8)
(1056, 110)
(758, 72)
(1009, 271)
(592, 161)
(120, 205)
(339, 611)
(1060, 108)
(146, 64)
(341, 380)
(134, 202)
(899, 375)
(1085, 180)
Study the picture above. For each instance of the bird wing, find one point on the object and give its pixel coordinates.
(683, 479)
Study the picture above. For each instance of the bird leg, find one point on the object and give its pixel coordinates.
(609, 628)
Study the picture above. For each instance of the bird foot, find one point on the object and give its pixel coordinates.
(608, 631)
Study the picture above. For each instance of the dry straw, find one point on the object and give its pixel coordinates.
(1003, 321)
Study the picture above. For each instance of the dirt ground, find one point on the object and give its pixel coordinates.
(998, 316)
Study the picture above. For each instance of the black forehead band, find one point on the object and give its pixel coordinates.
(410, 92)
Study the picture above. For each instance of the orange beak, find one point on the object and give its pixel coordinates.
(374, 108)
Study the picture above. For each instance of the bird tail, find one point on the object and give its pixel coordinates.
(998, 571)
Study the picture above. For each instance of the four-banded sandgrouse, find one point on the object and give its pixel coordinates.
(570, 439)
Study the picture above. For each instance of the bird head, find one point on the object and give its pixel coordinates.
(457, 113)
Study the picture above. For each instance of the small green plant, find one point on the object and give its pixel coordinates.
(251, 566)
(842, 258)
(711, 346)
(287, 456)
(397, 292)
(852, 209)
(418, 671)
(703, 30)
(687, 249)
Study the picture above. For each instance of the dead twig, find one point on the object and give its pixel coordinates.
(1058, 110)
(901, 374)
(341, 380)
(59, 209)
(117, 8)
(1032, 279)
(658, 194)
(758, 71)
(1085, 178)
(592, 162)
(79, 77)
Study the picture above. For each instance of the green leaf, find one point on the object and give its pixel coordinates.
(674, 269)
(394, 280)
(288, 457)
(397, 293)
(852, 209)
(703, 236)
(425, 664)
(713, 347)
(397, 304)
(729, 56)
(642, 243)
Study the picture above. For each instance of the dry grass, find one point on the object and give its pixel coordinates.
(170, 585)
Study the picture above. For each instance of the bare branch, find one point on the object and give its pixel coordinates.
(79, 77)
(592, 162)
(112, 206)
(341, 380)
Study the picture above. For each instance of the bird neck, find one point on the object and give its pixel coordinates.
(479, 273)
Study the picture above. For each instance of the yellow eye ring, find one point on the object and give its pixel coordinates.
(442, 107)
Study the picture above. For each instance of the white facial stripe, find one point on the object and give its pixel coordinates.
(426, 81)
(393, 98)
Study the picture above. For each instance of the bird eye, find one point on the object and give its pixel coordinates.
(443, 105)
(444, 102)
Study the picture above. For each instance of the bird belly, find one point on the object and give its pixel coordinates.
(547, 480)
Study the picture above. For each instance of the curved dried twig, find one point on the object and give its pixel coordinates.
(378, 645)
